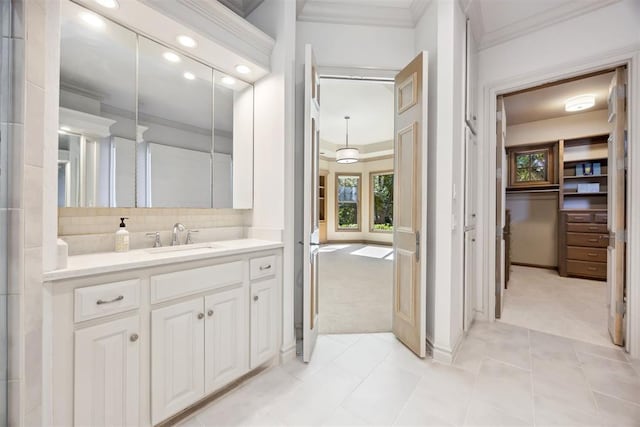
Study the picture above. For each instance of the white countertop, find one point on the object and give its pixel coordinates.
(108, 262)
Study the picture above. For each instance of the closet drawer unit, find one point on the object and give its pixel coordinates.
(587, 254)
(587, 239)
(262, 267)
(600, 218)
(587, 269)
(587, 228)
(103, 300)
(579, 217)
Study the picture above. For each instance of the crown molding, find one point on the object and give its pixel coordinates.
(530, 24)
(219, 23)
(84, 123)
(417, 8)
(351, 13)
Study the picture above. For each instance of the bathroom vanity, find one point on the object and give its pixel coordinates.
(141, 336)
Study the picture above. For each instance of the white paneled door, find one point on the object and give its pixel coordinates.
(107, 374)
(177, 357)
(616, 206)
(409, 265)
(264, 325)
(501, 131)
(225, 341)
(311, 239)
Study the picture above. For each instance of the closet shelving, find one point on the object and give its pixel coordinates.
(574, 155)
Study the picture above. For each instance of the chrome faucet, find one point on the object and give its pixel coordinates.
(177, 228)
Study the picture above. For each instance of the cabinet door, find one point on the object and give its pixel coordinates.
(177, 358)
(264, 328)
(226, 343)
(470, 275)
(107, 374)
(471, 179)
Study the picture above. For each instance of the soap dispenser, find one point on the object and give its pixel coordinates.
(122, 237)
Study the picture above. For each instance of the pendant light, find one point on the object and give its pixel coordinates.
(346, 154)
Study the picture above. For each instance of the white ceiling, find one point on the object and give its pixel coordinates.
(548, 102)
(370, 106)
(492, 21)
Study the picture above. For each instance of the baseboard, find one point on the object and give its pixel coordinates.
(445, 355)
(288, 353)
(364, 242)
(525, 264)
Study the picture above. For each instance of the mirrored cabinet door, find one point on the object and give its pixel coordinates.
(97, 123)
(175, 115)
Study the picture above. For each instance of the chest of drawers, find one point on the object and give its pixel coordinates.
(583, 244)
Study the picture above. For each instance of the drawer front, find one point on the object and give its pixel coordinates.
(579, 217)
(588, 269)
(587, 228)
(587, 239)
(103, 300)
(263, 267)
(600, 218)
(587, 254)
(187, 282)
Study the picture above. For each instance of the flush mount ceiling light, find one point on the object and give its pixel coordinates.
(92, 19)
(109, 4)
(189, 76)
(171, 57)
(186, 41)
(346, 154)
(243, 69)
(579, 103)
(228, 80)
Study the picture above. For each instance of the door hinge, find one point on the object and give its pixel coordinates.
(621, 307)
(499, 173)
(418, 246)
(498, 115)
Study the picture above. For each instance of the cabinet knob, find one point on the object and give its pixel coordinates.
(200, 315)
(134, 337)
(210, 313)
(256, 297)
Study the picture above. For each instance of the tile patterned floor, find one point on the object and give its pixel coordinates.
(503, 376)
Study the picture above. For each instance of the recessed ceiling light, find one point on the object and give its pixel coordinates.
(92, 19)
(228, 80)
(171, 57)
(243, 69)
(109, 4)
(186, 41)
(579, 103)
(189, 76)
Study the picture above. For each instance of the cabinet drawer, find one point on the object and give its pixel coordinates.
(262, 267)
(587, 228)
(588, 269)
(102, 300)
(587, 254)
(579, 217)
(187, 282)
(587, 239)
(600, 218)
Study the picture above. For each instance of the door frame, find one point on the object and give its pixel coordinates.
(629, 57)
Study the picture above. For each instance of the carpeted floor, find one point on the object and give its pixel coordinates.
(355, 288)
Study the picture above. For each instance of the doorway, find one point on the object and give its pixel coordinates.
(355, 205)
(560, 199)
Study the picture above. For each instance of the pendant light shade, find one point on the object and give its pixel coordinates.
(347, 154)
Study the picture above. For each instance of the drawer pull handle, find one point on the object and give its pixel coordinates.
(265, 267)
(116, 299)
(134, 337)
(593, 228)
(210, 313)
(200, 316)
(594, 240)
(256, 297)
(591, 268)
(591, 254)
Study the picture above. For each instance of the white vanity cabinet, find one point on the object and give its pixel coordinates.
(136, 346)
(107, 374)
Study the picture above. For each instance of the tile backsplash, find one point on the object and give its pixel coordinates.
(88, 230)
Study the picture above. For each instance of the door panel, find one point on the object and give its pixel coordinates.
(501, 130)
(177, 357)
(311, 238)
(226, 343)
(107, 374)
(409, 287)
(616, 207)
(264, 328)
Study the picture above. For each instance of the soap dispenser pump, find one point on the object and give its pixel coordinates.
(122, 237)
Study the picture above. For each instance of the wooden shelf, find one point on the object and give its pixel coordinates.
(602, 175)
(595, 159)
(600, 193)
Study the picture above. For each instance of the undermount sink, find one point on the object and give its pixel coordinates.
(183, 248)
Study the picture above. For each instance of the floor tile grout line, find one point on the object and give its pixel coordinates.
(533, 391)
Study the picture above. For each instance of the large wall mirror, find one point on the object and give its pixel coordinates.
(142, 125)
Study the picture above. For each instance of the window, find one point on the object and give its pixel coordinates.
(348, 206)
(531, 167)
(382, 201)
